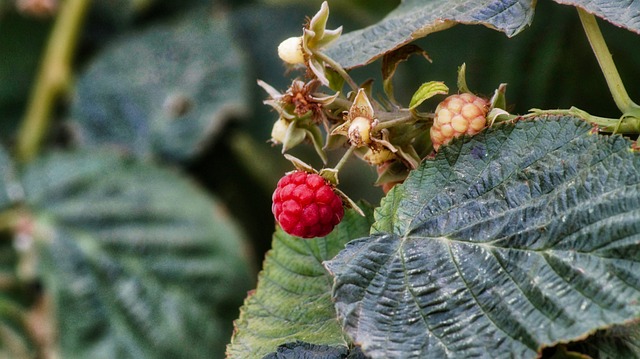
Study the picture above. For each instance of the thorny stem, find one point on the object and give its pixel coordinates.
(336, 66)
(599, 46)
(53, 78)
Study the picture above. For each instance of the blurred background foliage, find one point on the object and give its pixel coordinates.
(549, 65)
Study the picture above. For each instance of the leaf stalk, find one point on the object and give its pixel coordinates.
(608, 67)
(53, 78)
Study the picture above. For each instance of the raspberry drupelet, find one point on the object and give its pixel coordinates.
(305, 205)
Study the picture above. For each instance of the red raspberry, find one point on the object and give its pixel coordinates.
(463, 114)
(305, 205)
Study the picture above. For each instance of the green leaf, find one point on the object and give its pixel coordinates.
(622, 14)
(418, 18)
(167, 91)
(523, 236)
(140, 263)
(293, 298)
(462, 79)
(300, 349)
(426, 91)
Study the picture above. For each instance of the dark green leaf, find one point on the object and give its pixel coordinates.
(303, 350)
(523, 236)
(622, 14)
(293, 298)
(140, 263)
(166, 91)
(417, 18)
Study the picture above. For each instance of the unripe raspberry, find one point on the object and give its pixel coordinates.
(458, 115)
(305, 205)
(378, 156)
(360, 131)
(290, 51)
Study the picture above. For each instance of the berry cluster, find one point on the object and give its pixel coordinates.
(305, 205)
(318, 110)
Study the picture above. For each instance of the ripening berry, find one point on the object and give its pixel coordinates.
(360, 131)
(305, 205)
(290, 51)
(378, 156)
(458, 115)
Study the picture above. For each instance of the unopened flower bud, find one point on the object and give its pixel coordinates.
(360, 131)
(279, 130)
(290, 51)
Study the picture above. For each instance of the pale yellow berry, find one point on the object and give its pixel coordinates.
(463, 114)
(444, 116)
(470, 111)
(467, 97)
(447, 130)
(436, 135)
(360, 131)
(455, 105)
(290, 51)
(478, 123)
(378, 157)
(459, 123)
(279, 130)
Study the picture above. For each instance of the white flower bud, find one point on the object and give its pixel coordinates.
(279, 131)
(290, 51)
